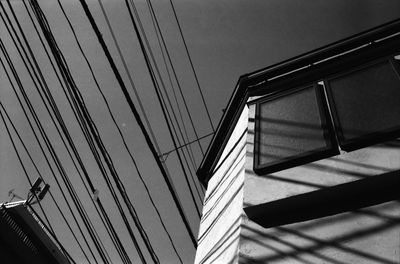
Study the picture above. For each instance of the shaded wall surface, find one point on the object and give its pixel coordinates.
(366, 235)
(311, 172)
(23, 238)
(222, 216)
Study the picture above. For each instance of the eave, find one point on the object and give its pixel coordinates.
(380, 41)
(24, 238)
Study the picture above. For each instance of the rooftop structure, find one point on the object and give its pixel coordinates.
(305, 163)
(23, 237)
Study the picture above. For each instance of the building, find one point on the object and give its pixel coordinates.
(23, 238)
(305, 164)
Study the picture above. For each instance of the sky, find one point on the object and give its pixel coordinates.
(225, 38)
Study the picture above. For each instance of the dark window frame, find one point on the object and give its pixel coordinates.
(371, 138)
(309, 156)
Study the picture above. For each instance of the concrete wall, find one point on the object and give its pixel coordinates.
(370, 235)
(223, 203)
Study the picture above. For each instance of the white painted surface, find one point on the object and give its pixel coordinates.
(370, 235)
(222, 209)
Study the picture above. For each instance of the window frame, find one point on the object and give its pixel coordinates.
(371, 138)
(331, 149)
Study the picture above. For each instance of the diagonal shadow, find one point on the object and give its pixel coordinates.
(328, 201)
(344, 217)
(233, 160)
(231, 167)
(222, 242)
(220, 213)
(350, 162)
(281, 254)
(332, 243)
(218, 200)
(278, 178)
(324, 167)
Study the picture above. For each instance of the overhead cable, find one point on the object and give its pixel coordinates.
(191, 65)
(116, 125)
(51, 231)
(74, 92)
(153, 15)
(138, 118)
(188, 147)
(41, 83)
(102, 213)
(36, 121)
(161, 101)
(185, 137)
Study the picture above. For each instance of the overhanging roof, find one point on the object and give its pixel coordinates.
(374, 43)
(23, 238)
(372, 190)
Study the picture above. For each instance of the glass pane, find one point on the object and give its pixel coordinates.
(366, 101)
(290, 125)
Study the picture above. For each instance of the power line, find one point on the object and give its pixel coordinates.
(27, 176)
(189, 149)
(120, 132)
(161, 43)
(37, 170)
(36, 120)
(106, 221)
(153, 15)
(49, 228)
(182, 146)
(191, 65)
(74, 93)
(48, 144)
(160, 99)
(68, 79)
(137, 117)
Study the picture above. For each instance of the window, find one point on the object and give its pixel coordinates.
(365, 104)
(293, 128)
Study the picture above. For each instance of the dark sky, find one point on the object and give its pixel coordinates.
(226, 39)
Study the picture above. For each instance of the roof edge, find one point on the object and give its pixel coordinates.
(250, 84)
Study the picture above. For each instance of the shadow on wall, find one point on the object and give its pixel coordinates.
(286, 128)
(359, 236)
(278, 241)
(227, 240)
(219, 215)
(235, 161)
(344, 167)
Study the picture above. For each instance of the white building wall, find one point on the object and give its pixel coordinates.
(370, 235)
(222, 208)
(226, 235)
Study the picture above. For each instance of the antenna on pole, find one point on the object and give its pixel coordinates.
(44, 191)
(36, 185)
(37, 192)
